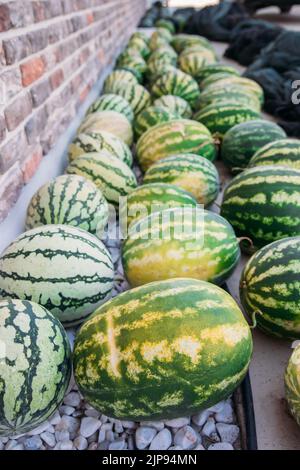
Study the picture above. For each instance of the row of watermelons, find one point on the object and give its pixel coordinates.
(176, 342)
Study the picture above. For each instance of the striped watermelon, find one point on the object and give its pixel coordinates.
(131, 58)
(108, 121)
(157, 41)
(154, 197)
(69, 200)
(158, 35)
(150, 117)
(233, 94)
(182, 41)
(178, 136)
(139, 43)
(263, 203)
(177, 83)
(65, 269)
(136, 95)
(36, 366)
(270, 288)
(192, 60)
(283, 152)
(167, 24)
(127, 68)
(157, 68)
(213, 78)
(180, 243)
(175, 105)
(212, 69)
(118, 76)
(112, 102)
(242, 141)
(194, 173)
(165, 53)
(292, 384)
(249, 85)
(97, 141)
(219, 118)
(140, 35)
(164, 350)
(112, 176)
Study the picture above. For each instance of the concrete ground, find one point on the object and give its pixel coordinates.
(275, 428)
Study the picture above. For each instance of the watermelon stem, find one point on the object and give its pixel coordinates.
(253, 318)
(241, 239)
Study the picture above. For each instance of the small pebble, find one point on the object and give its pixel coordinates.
(88, 426)
(143, 437)
(200, 418)
(162, 440)
(119, 444)
(217, 408)
(66, 410)
(72, 424)
(62, 436)
(228, 432)
(130, 443)
(107, 427)
(175, 448)
(92, 413)
(64, 445)
(129, 424)
(186, 438)
(103, 446)
(41, 428)
(10, 444)
(72, 399)
(158, 425)
(20, 447)
(81, 443)
(101, 436)
(109, 436)
(177, 423)
(199, 447)
(221, 446)
(225, 415)
(103, 419)
(118, 427)
(93, 437)
(33, 443)
(209, 428)
(55, 419)
(48, 438)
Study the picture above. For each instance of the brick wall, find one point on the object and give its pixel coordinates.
(51, 54)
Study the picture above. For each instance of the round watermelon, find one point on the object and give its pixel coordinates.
(175, 105)
(150, 117)
(35, 365)
(161, 351)
(292, 384)
(270, 288)
(283, 152)
(111, 102)
(65, 269)
(69, 200)
(177, 83)
(180, 242)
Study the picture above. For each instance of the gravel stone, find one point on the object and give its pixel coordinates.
(103, 446)
(209, 428)
(88, 426)
(225, 415)
(177, 423)
(66, 410)
(72, 424)
(20, 447)
(200, 418)
(48, 438)
(162, 440)
(33, 443)
(72, 399)
(144, 436)
(129, 424)
(175, 448)
(228, 432)
(55, 419)
(64, 445)
(41, 428)
(81, 443)
(221, 446)
(109, 436)
(62, 436)
(158, 425)
(186, 438)
(92, 413)
(119, 444)
(10, 444)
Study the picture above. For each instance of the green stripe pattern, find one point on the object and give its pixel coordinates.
(65, 269)
(233, 94)
(270, 288)
(150, 117)
(177, 83)
(69, 200)
(36, 369)
(178, 136)
(283, 152)
(112, 176)
(182, 41)
(263, 203)
(153, 197)
(175, 105)
(194, 173)
(220, 117)
(242, 141)
(180, 243)
(193, 59)
(112, 102)
(249, 85)
(292, 384)
(136, 95)
(216, 68)
(162, 351)
(98, 141)
(118, 76)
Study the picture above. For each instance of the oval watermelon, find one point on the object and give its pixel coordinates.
(180, 242)
(175, 105)
(108, 121)
(283, 152)
(177, 83)
(35, 367)
(292, 384)
(150, 117)
(112, 102)
(65, 269)
(270, 288)
(162, 351)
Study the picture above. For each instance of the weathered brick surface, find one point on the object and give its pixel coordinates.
(51, 54)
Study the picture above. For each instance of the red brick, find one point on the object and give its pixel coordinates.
(5, 22)
(17, 111)
(32, 70)
(40, 92)
(90, 18)
(32, 162)
(84, 93)
(56, 79)
(11, 184)
(16, 49)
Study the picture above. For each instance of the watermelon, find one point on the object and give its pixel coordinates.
(140, 35)
(283, 152)
(177, 83)
(242, 141)
(112, 176)
(213, 78)
(249, 86)
(180, 242)
(165, 53)
(157, 68)
(167, 24)
(233, 94)
(263, 203)
(178, 136)
(194, 173)
(219, 118)
(157, 41)
(160, 33)
(139, 43)
(163, 350)
(154, 197)
(127, 68)
(108, 121)
(112, 102)
(35, 369)
(65, 269)
(191, 60)
(292, 384)
(150, 117)
(69, 200)
(97, 141)
(118, 76)
(131, 58)
(182, 41)
(212, 69)
(136, 95)
(270, 288)
(175, 105)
